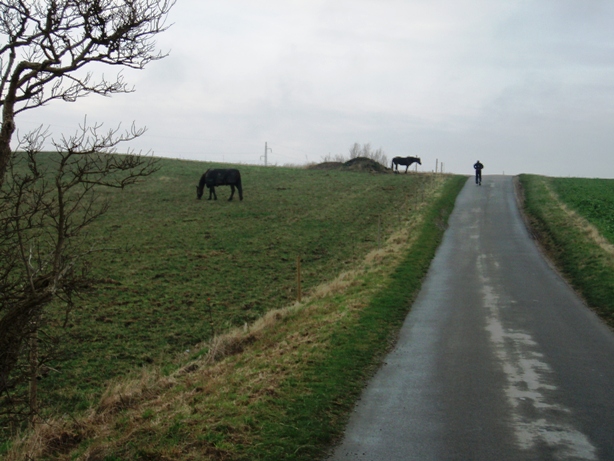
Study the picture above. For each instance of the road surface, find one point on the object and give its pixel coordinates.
(498, 358)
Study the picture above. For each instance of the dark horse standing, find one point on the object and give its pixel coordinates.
(220, 177)
(407, 161)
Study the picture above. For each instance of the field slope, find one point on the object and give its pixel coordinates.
(574, 221)
(192, 345)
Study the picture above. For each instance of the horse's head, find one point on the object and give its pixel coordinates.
(418, 160)
(201, 185)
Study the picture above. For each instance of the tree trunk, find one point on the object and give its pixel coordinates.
(6, 134)
(15, 327)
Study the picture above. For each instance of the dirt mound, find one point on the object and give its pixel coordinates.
(355, 164)
(365, 164)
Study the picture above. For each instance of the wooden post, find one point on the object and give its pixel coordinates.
(298, 278)
(33, 397)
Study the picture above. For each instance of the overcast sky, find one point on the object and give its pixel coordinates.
(525, 86)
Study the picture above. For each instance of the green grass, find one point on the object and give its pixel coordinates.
(175, 270)
(582, 261)
(177, 262)
(314, 417)
(593, 199)
(288, 394)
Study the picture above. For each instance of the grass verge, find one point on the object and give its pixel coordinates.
(315, 417)
(280, 388)
(569, 233)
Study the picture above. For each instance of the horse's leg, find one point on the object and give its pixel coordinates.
(406, 168)
(232, 192)
(240, 188)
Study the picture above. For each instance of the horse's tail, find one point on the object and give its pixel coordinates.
(392, 165)
(239, 185)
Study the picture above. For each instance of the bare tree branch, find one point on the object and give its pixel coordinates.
(43, 212)
(49, 50)
(48, 43)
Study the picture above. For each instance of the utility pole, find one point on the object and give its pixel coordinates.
(266, 151)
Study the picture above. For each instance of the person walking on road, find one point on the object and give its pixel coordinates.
(478, 172)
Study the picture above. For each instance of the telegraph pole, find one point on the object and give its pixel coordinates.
(266, 151)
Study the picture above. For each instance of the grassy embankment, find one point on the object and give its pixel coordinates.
(279, 385)
(574, 221)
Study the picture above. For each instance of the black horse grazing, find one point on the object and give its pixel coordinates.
(220, 177)
(404, 161)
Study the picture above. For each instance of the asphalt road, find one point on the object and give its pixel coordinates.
(498, 358)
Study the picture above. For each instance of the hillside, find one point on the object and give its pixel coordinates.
(177, 271)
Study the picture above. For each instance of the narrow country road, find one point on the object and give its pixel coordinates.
(498, 359)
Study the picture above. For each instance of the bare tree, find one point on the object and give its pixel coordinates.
(365, 151)
(45, 47)
(355, 151)
(379, 156)
(333, 158)
(46, 203)
(48, 43)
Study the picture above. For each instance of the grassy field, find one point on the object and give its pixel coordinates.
(593, 199)
(177, 272)
(574, 220)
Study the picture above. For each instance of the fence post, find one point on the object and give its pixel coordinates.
(298, 278)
